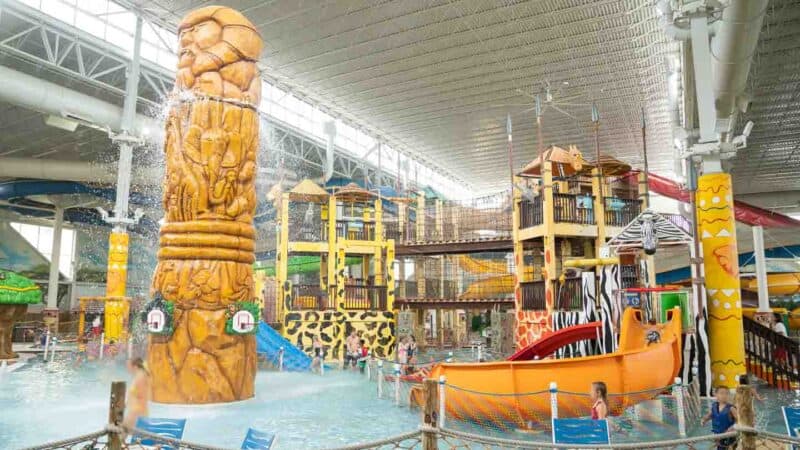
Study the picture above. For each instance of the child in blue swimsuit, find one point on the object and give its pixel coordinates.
(722, 416)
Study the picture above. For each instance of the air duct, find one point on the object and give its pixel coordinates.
(81, 171)
(732, 51)
(36, 94)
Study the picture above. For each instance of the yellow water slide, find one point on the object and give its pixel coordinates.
(491, 287)
(648, 359)
(777, 284)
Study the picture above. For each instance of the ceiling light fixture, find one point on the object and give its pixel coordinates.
(61, 123)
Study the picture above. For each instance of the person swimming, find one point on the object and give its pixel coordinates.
(599, 395)
(137, 402)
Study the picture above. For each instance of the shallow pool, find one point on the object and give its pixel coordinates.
(45, 402)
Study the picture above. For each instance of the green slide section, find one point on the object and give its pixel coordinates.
(18, 290)
(302, 264)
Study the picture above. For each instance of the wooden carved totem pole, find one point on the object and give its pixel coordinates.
(206, 246)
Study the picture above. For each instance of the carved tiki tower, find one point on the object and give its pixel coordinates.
(206, 245)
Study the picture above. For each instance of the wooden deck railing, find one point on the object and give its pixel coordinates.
(363, 296)
(628, 276)
(567, 208)
(621, 211)
(355, 230)
(309, 297)
(530, 213)
(569, 295)
(316, 232)
(533, 295)
(771, 356)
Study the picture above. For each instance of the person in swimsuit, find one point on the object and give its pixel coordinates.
(317, 352)
(137, 401)
(722, 416)
(599, 395)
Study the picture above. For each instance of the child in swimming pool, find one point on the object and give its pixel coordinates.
(599, 395)
(722, 416)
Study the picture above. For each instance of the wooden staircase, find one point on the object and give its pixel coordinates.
(771, 356)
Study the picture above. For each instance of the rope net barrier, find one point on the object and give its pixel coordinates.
(445, 438)
(648, 414)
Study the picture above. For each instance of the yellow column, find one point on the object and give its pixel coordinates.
(340, 281)
(282, 259)
(117, 274)
(378, 255)
(549, 270)
(116, 307)
(332, 240)
(599, 208)
(390, 282)
(378, 220)
(717, 232)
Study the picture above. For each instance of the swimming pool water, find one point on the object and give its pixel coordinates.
(46, 402)
(43, 402)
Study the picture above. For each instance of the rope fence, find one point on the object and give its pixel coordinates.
(443, 428)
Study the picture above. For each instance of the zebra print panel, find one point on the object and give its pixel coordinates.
(589, 288)
(589, 296)
(609, 307)
(646, 297)
(565, 319)
(632, 237)
(696, 360)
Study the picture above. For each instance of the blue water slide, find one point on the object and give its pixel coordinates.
(269, 342)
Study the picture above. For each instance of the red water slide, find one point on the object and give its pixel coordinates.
(554, 340)
(745, 212)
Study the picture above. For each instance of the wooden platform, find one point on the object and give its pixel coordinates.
(453, 247)
(453, 303)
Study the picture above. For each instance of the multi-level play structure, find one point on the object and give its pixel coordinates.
(561, 259)
(350, 285)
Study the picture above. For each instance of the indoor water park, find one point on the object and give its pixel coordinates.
(349, 224)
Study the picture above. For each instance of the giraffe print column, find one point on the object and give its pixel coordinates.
(717, 232)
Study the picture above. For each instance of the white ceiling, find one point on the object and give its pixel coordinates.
(437, 78)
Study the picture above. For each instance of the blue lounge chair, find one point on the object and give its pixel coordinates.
(258, 440)
(791, 417)
(580, 431)
(170, 428)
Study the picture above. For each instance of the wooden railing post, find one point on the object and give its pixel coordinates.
(746, 416)
(116, 412)
(430, 415)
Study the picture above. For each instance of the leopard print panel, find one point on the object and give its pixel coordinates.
(377, 328)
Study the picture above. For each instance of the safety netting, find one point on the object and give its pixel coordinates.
(475, 276)
(648, 414)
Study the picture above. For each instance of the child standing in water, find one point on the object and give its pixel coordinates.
(599, 395)
(136, 404)
(722, 416)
